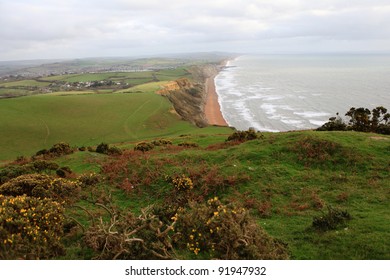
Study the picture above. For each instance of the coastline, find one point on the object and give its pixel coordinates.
(212, 109)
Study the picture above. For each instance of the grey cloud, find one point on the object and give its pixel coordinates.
(47, 28)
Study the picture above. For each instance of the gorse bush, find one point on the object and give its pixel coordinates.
(44, 166)
(37, 166)
(102, 148)
(143, 147)
(181, 193)
(41, 186)
(161, 142)
(89, 179)
(215, 230)
(9, 172)
(61, 149)
(30, 228)
(181, 182)
(56, 150)
(242, 136)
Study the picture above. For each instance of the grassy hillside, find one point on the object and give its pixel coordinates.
(285, 180)
(37, 122)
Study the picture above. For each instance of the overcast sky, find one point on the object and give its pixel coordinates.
(32, 29)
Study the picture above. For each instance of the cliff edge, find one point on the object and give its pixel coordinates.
(188, 96)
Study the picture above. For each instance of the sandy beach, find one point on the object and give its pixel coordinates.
(212, 109)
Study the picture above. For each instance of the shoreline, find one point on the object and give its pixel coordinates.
(212, 108)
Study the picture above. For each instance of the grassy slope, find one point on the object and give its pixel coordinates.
(37, 122)
(284, 192)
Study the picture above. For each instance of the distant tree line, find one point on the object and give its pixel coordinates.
(361, 119)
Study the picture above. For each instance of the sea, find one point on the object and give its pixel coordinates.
(297, 92)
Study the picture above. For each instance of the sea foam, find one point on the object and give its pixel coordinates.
(280, 93)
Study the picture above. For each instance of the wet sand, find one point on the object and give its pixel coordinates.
(212, 109)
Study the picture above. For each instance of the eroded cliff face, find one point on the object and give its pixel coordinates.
(189, 96)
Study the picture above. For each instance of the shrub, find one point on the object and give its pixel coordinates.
(90, 179)
(311, 150)
(125, 236)
(60, 149)
(56, 150)
(42, 152)
(334, 124)
(21, 160)
(102, 148)
(221, 231)
(181, 182)
(161, 142)
(383, 129)
(114, 151)
(30, 228)
(333, 219)
(43, 165)
(143, 147)
(182, 191)
(64, 172)
(188, 145)
(41, 186)
(13, 171)
(242, 136)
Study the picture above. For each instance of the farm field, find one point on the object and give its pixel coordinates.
(96, 82)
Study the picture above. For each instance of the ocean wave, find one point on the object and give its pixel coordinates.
(311, 114)
(317, 122)
(260, 92)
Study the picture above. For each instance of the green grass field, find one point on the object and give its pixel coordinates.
(25, 83)
(33, 123)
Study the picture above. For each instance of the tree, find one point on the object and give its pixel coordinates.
(379, 117)
(360, 119)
